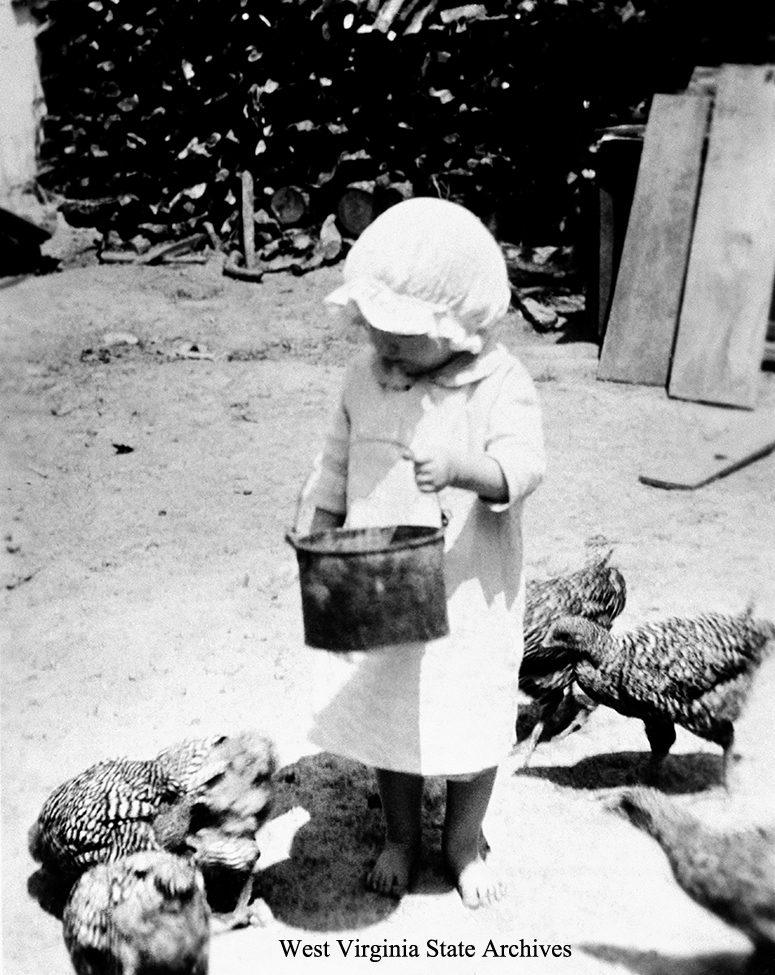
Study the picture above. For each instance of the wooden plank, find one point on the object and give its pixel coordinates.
(644, 314)
(708, 460)
(248, 220)
(724, 314)
(167, 248)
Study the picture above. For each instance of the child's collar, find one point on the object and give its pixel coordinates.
(460, 371)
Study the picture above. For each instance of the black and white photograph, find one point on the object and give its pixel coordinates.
(388, 478)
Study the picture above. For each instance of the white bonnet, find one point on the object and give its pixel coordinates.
(427, 267)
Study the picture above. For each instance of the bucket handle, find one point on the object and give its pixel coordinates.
(292, 534)
(408, 454)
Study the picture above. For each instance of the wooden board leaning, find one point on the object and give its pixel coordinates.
(644, 313)
(724, 314)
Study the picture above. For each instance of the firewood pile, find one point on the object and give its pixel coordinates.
(281, 237)
(334, 108)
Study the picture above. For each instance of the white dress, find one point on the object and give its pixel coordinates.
(446, 707)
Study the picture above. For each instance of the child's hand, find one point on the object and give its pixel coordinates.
(438, 467)
(434, 468)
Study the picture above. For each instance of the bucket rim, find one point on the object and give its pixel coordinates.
(303, 543)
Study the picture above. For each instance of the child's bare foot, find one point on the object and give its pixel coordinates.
(477, 884)
(463, 842)
(394, 870)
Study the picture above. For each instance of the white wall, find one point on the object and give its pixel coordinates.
(21, 97)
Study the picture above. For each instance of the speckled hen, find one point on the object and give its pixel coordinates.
(231, 794)
(113, 808)
(693, 672)
(596, 592)
(145, 914)
(201, 798)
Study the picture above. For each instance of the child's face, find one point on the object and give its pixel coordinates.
(414, 354)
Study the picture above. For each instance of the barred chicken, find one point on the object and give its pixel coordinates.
(144, 914)
(201, 798)
(230, 791)
(691, 672)
(114, 808)
(597, 592)
(725, 862)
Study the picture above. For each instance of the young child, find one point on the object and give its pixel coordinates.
(434, 415)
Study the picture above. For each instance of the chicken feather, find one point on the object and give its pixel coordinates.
(721, 857)
(144, 914)
(694, 672)
(597, 592)
(201, 798)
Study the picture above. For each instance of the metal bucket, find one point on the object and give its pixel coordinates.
(363, 588)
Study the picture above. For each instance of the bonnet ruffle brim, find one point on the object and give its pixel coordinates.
(427, 267)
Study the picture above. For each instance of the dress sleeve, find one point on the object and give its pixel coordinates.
(330, 491)
(515, 435)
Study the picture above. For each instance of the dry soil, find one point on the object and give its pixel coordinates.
(148, 595)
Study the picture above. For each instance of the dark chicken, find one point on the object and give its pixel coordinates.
(202, 798)
(597, 592)
(145, 914)
(691, 672)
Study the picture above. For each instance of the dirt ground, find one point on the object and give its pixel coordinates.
(147, 597)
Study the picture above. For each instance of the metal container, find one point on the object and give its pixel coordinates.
(363, 588)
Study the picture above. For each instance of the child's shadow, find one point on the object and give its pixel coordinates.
(320, 886)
